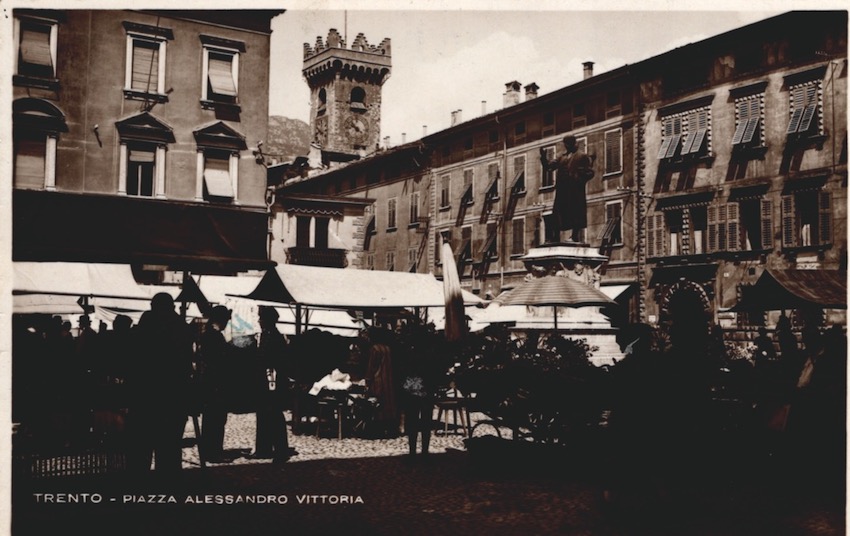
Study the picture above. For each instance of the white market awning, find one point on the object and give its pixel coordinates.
(82, 279)
(351, 289)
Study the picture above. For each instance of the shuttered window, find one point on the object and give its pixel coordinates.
(390, 261)
(671, 136)
(614, 151)
(391, 213)
(733, 227)
(445, 191)
(412, 260)
(29, 162)
(467, 197)
(766, 224)
(655, 235)
(145, 69)
(789, 223)
(414, 207)
(807, 219)
(748, 113)
(35, 56)
(804, 108)
(518, 235)
(697, 131)
(518, 183)
(217, 177)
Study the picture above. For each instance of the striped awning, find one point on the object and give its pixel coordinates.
(678, 202)
(557, 291)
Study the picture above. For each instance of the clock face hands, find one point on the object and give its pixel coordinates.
(356, 128)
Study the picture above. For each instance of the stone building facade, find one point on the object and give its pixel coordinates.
(133, 138)
(712, 162)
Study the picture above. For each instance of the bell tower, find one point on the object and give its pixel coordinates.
(345, 92)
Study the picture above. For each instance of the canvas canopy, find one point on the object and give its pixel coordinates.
(351, 289)
(795, 289)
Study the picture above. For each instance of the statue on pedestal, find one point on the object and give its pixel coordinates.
(574, 169)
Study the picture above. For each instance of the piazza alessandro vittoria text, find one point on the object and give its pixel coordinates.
(155, 498)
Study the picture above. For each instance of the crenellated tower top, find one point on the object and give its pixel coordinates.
(345, 91)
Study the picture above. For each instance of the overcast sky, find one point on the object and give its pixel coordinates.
(449, 59)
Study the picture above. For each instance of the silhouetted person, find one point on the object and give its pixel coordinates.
(419, 385)
(157, 381)
(271, 439)
(574, 169)
(214, 358)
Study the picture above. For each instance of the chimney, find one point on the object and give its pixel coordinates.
(511, 94)
(484, 107)
(424, 130)
(531, 91)
(387, 142)
(456, 117)
(588, 69)
(403, 138)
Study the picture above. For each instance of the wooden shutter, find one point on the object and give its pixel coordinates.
(824, 218)
(810, 109)
(518, 229)
(733, 227)
(655, 235)
(145, 66)
(789, 222)
(713, 229)
(666, 138)
(753, 120)
(743, 121)
(698, 137)
(613, 145)
(797, 97)
(766, 224)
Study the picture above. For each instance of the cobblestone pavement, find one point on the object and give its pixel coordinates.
(364, 487)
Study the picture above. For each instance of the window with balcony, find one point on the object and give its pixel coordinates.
(679, 230)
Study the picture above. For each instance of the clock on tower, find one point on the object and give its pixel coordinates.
(356, 129)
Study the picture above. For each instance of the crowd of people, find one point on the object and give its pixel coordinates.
(164, 370)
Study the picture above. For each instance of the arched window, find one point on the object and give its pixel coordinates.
(37, 124)
(358, 99)
(323, 101)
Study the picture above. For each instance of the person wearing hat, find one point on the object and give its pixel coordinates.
(157, 381)
(574, 169)
(214, 357)
(271, 439)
